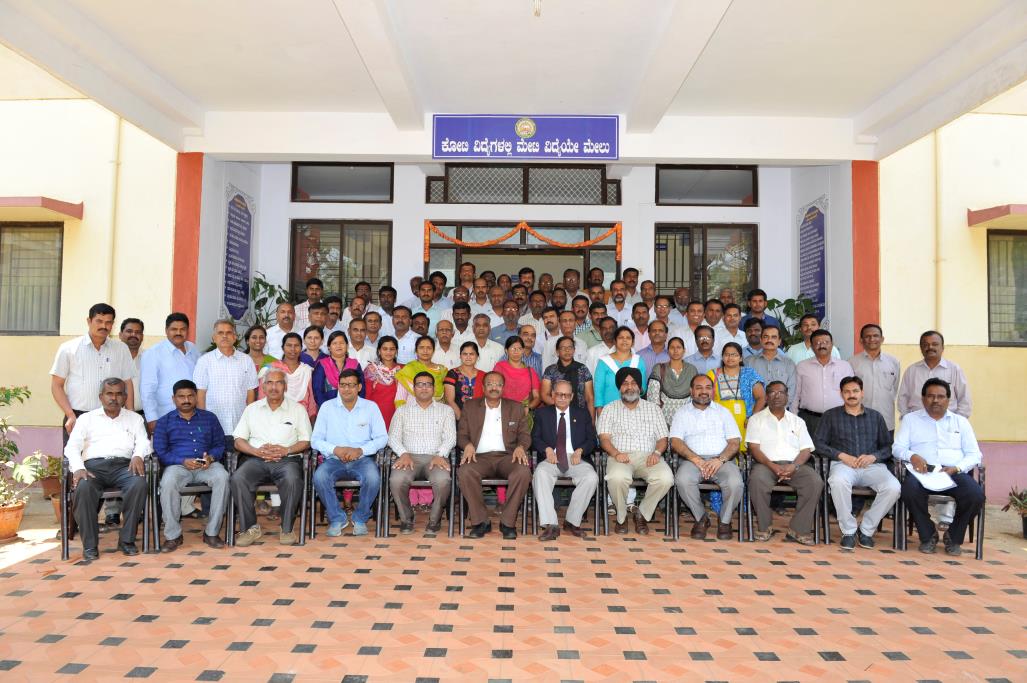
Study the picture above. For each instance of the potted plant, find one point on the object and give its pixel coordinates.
(15, 478)
(788, 311)
(1018, 503)
(50, 475)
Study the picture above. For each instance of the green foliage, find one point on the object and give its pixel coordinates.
(265, 297)
(8, 395)
(788, 311)
(14, 478)
(1017, 501)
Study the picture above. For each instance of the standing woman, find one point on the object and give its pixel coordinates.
(566, 368)
(256, 339)
(298, 376)
(465, 380)
(424, 350)
(522, 383)
(736, 387)
(380, 378)
(670, 384)
(328, 368)
(622, 356)
(313, 338)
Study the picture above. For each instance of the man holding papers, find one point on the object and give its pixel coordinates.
(937, 442)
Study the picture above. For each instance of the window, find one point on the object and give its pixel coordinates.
(30, 278)
(522, 184)
(706, 258)
(331, 182)
(706, 185)
(340, 254)
(1007, 288)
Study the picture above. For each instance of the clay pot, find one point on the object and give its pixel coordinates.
(56, 500)
(10, 520)
(51, 486)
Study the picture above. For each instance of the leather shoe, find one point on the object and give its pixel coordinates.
(724, 532)
(573, 530)
(641, 526)
(433, 527)
(620, 527)
(170, 545)
(129, 549)
(550, 532)
(700, 528)
(90, 554)
(479, 530)
(509, 532)
(213, 541)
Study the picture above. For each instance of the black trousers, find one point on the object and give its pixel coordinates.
(286, 474)
(108, 473)
(969, 497)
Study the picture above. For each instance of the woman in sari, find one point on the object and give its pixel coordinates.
(298, 375)
(380, 378)
(622, 356)
(670, 384)
(328, 368)
(313, 337)
(256, 339)
(736, 387)
(464, 381)
(424, 349)
(566, 368)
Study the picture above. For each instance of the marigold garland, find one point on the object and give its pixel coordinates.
(430, 228)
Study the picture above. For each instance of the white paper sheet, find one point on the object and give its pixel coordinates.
(933, 481)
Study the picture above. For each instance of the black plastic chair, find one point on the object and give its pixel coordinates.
(818, 517)
(862, 491)
(233, 464)
(189, 490)
(353, 485)
(906, 522)
(666, 504)
(108, 494)
(526, 502)
(385, 518)
(597, 498)
(743, 507)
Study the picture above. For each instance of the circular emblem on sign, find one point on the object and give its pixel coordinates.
(525, 128)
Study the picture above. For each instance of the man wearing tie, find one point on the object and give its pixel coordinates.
(565, 435)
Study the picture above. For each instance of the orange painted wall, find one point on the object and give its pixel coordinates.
(866, 242)
(188, 192)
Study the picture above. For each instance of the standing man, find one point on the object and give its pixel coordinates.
(536, 304)
(932, 346)
(271, 436)
(526, 276)
(714, 313)
(579, 306)
(705, 435)
(726, 295)
(225, 378)
(695, 313)
(285, 322)
(494, 439)
(704, 359)
(509, 327)
(446, 352)
(939, 439)
(773, 365)
(640, 325)
(497, 297)
(349, 433)
(631, 294)
(314, 289)
(106, 449)
(386, 305)
(754, 335)
(608, 331)
(571, 281)
(656, 351)
(462, 330)
(489, 352)
(567, 324)
(563, 433)
(358, 346)
(633, 433)
(682, 297)
(781, 446)
(405, 339)
(480, 297)
(757, 301)
(531, 357)
(422, 434)
(731, 332)
(164, 364)
(817, 380)
(857, 439)
(663, 309)
(880, 373)
(415, 298)
(591, 336)
(427, 305)
(132, 335)
(373, 321)
(190, 445)
(808, 324)
(620, 310)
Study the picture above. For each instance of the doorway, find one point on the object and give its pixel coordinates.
(510, 261)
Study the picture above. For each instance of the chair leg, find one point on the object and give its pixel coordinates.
(979, 553)
(65, 522)
(453, 492)
(463, 525)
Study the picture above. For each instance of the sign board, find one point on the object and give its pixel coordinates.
(812, 271)
(239, 234)
(466, 136)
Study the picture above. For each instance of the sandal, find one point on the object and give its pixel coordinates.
(764, 536)
(803, 539)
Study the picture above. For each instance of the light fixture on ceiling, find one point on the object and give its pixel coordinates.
(536, 7)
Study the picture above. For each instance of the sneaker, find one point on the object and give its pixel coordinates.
(288, 538)
(249, 537)
(335, 528)
(864, 540)
(849, 542)
(359, 529)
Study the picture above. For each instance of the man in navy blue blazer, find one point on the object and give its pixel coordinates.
(565, 435)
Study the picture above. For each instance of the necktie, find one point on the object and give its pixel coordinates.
(561, 444)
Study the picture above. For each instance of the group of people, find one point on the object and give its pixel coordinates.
(497, 368)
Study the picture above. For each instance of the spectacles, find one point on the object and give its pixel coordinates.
(562, 394)
(348, 385)
(494, 385)
(424, 384)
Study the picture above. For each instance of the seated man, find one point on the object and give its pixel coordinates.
(271, 435)
(422, 434)
(349, 433)
(190, 444)
(858, 440)
(705, 434)
(493, 435)
(106, 450)
(564, 434)
(937, 439)
(633, 433)
(781, 446)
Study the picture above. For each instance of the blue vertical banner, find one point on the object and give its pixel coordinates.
(812, 268)
(467, 136)
(238, 237)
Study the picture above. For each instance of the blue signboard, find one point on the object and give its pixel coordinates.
(237, 256)
(466, 136)
(812, 280)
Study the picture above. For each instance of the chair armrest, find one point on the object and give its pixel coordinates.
(383, 456)
(232, 460)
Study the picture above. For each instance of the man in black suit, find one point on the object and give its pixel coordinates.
(565, 434)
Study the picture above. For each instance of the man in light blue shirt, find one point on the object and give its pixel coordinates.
(428, 306)
(349, 432)
(937, 440)
(704, 359)
(163, 365)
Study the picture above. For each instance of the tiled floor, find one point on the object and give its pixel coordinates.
(419, 609)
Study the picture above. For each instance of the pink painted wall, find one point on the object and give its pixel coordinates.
(1006, 464)
(46, 440)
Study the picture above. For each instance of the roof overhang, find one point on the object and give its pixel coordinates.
(45, 209)
(1005, 216)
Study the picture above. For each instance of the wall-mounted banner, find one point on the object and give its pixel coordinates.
(812, 269)
(239, 233)
(467, 136)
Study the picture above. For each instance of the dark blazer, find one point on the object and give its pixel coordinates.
(472, 418)
(583, 433)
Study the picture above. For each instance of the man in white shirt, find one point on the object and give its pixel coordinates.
(694, 313)
(373, 321)
(446, 352)
(459, 294)
(536, 304)
(607, 330)
(730, 332)
(355, 311)
(132, 336)
(550, 328)
(714, 313)
(808, 324)
(386, 305)
(933, 365)
(640, 325)
(314, 290)
(225, 378)
(415, 287)
(705, 435)
(406, 339)
(358, 346)
(489, 352)
(480, 297)
(619, 309)
(285, 317)
(421, 436)
(631, 293)
(428, 306)
(497, 297)
(460, 315)
(106, 448)
(936, 439)
(879, 371)
(704, 359)
(567, 323)
(781, 446)
(663, 309)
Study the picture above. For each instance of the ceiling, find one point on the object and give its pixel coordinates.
(879, 72)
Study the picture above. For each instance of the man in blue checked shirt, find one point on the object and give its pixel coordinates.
(163, 365)
(190, 445)
(349, 432)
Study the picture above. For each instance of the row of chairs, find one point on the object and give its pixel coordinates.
(383, 505)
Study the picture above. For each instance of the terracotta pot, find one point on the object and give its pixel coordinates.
(10, 520)
(51, 486)
(56, 500)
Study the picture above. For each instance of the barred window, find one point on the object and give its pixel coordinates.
(705, 258)
(341, 254)
(30, 278)
(1007, 288)
(522, 184)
